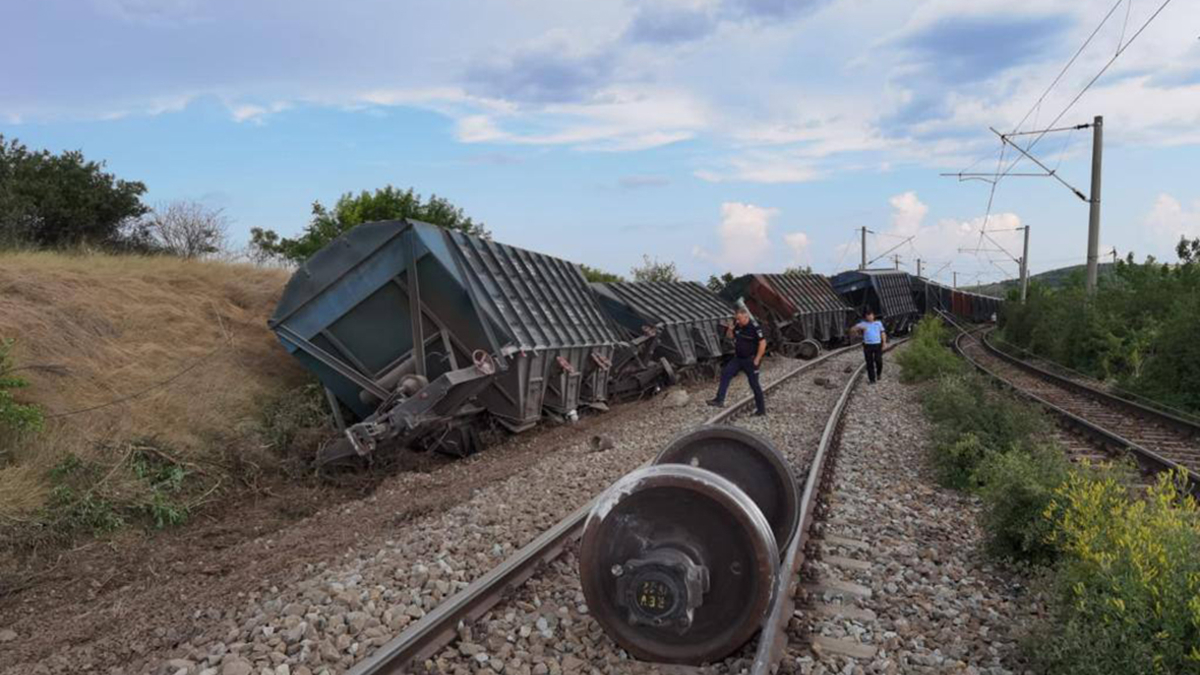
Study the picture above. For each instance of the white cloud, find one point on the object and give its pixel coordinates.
(798, 242)
(771, 103)
(948, 245)
(744, 237)
(907, 213)
(1168, 220)
(762, 167)
(615, 119)
(256, 114)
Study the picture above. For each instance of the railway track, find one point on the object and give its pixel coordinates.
(1156, 440)
(440, 628)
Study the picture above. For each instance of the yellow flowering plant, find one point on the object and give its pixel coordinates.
(1126, 591)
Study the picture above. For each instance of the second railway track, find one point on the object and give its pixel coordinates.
(1157, 441)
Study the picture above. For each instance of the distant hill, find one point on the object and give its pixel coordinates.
(1056, 278)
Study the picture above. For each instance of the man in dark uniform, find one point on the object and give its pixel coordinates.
(749, 345)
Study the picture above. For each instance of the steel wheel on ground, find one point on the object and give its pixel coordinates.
(677, 564)
(750, 462)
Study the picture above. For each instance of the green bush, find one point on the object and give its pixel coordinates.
(14, 416)
(1171, 371)
(1125, 597)
(974, 420)
(926, 356)
(1016, 488)
(1135, 332)
(956, 458)
(146, 486)
(296, 422)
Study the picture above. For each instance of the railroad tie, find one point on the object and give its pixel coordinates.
(837, 587)
(855, 650)
(835, 610)
(844, 542)
(847, 563)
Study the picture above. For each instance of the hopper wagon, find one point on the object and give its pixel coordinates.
(686, 319)
(799, 312)
(887, 293)
(931, 296)
(420, 332)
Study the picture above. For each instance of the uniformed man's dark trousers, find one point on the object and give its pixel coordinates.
(874, 357)
(745, 365)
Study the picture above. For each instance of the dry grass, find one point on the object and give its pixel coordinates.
(121, 324)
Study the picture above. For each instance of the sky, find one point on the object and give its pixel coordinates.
(721, 135)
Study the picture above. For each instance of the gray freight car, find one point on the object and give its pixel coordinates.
(888, 293)
(799, 312)
(500, 330)
(686, 319)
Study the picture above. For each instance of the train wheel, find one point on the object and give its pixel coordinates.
(809, 349)
(677, 564)
(750, 462)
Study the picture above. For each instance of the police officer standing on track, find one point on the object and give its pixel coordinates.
(874, 342)
(749, 345)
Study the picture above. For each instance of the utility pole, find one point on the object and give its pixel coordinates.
(863, 265)
(956, 279)
(1025, 268)
(1093, 254)
(896, 260)
(918, 268)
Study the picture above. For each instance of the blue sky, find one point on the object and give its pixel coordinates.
(719, 134)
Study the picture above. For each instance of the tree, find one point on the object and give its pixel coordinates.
(653, 270)
(806, 269)
(388, 203)
(716, 284)
(187, 229)
(63, 200)
(1188, 250)
(596, 275)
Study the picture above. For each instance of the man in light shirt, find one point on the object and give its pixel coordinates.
(874, 342)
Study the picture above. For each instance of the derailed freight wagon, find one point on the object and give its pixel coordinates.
(888, 293)
(799, 312)
(931, 296)
(686, 320)
(499, 329)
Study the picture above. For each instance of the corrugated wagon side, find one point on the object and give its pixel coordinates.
(417, 330)
(888, 293)
(931, 297)
(686, 318)
(799, 311)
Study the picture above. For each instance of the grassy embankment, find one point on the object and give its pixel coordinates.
(1119, 567)
(221, 398)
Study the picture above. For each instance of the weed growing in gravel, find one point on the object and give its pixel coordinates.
(1126, 593)
(926, 356)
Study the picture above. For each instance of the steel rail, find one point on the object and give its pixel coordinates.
(439, 627)
(1146, 458)
(773, 639)
(1175, 421)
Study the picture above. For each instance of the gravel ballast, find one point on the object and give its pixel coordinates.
(546, 627)
(340, 611)
(939, 604)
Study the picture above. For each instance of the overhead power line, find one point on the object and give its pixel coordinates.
(1120, 50)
